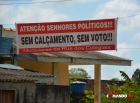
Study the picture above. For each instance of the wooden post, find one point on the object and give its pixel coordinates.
(97, 83)
(55, 72)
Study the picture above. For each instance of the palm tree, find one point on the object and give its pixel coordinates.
(136, 76)
(125, 76)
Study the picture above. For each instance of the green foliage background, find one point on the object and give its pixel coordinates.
(131, 86)
(78, 73)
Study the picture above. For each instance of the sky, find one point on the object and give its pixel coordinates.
(128, 32)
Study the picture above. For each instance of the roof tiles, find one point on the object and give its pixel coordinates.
(9, 29)
(20, 75)
(85, 54)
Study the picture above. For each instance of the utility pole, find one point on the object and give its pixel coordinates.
(1, 27)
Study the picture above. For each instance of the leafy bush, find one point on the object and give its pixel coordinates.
(130, 87)
(88, 97)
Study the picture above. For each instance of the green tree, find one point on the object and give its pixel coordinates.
(136, 76)
(78, 73)
(87, 98)
(125, 76)
(115, 79)
(129, 87)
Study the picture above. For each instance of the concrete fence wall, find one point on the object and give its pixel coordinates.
(37, 93)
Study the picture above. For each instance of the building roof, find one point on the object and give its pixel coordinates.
(9, 29)
(86, 57)
(86, 54)
(10, 66)
(15, 78)
(21, 75)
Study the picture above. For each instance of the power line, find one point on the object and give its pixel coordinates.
(128, 16)
(35, 2)
(118, 18)
(8, 24)
(128, 48)
(18, 0)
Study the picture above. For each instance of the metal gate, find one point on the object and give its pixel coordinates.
(7, 96)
